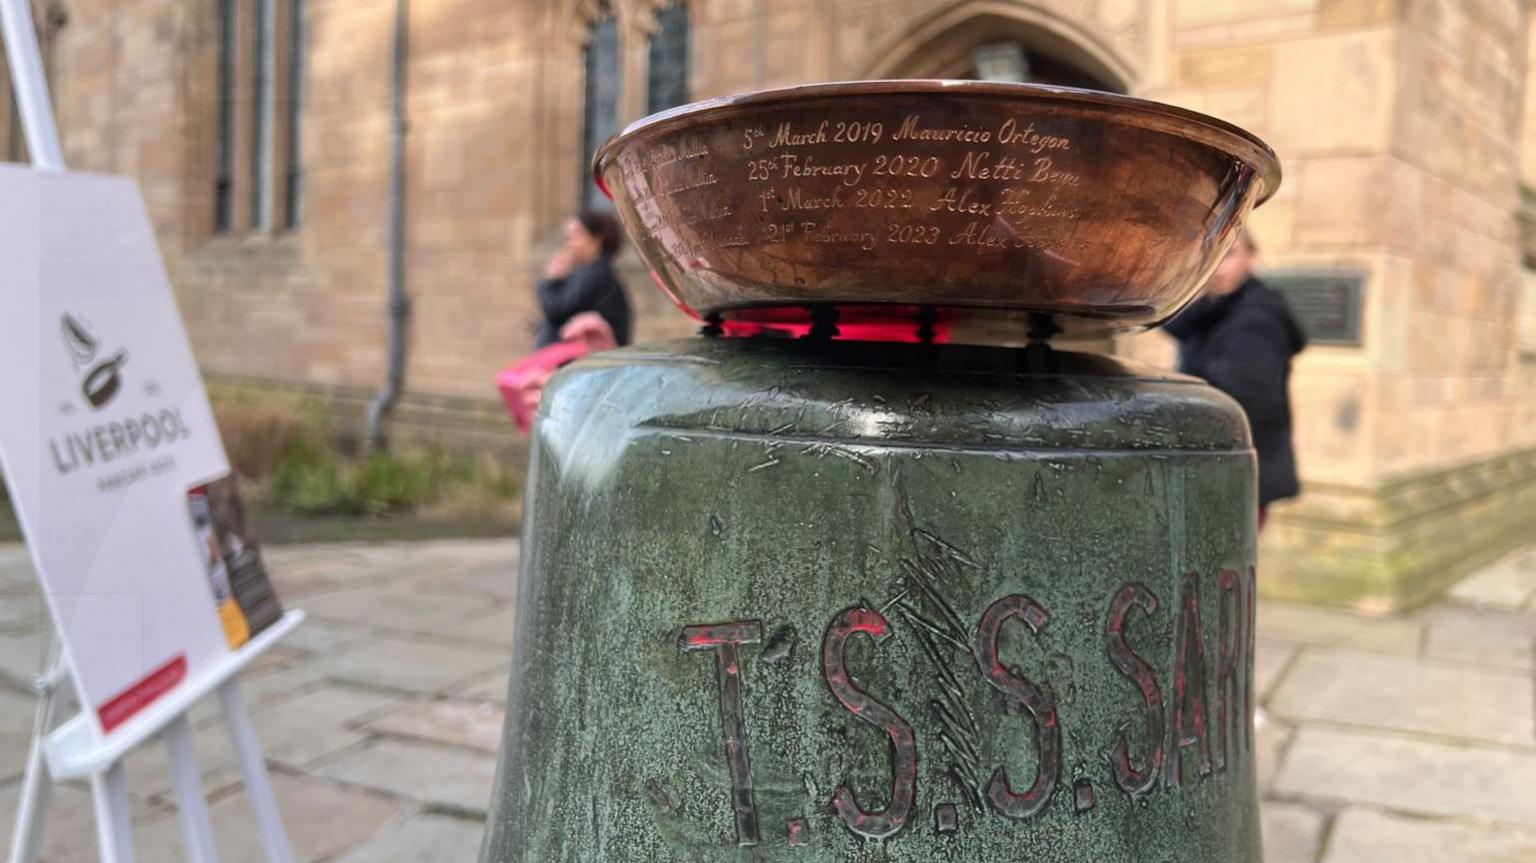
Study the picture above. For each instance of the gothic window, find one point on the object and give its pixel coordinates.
(223, 181)
(261, 111)
(600, 118)
(667, 86)
(258, 103)
(1011, 60)
(293, 109)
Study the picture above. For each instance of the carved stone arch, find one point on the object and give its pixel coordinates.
(576, 17)
(643, 17)
(935, 46)
(636, 19)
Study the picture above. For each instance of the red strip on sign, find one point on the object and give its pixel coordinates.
(120, 707)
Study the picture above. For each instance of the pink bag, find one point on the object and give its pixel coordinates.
(522, 383)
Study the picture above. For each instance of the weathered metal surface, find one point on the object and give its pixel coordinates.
(863, 602)
(973, 202)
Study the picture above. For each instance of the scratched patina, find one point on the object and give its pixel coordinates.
(840, 602)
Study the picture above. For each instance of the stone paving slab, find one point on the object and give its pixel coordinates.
(1409, 695)
(495, 628)
(391, 609)
(1315, 627)
(23, 656)
(69, 829)
(69, 833)
(1402, 740)
(264, 689)
(1509, 584)
(491, 689)
(497, 581)
(23, 611)
(16, 712)
(13, 755)
(282, 684)
(423, 839)
(1271, 739)
(1270, 660)
(1426, 778)
(326, 636)
(1363, 836)
(16, 568)
(1481, 636)
(148, 767)
(318, 723)
(304, 569)
(314, 571)
(475, 725)
(443, 776)
(322, 818)
(1292, 833)
(393, 663)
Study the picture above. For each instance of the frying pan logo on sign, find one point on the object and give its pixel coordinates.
(102, 379)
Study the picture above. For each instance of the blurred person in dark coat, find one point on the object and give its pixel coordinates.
(579, 278)
(1240, 337)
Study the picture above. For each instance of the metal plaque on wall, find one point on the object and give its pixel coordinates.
(1327, 303)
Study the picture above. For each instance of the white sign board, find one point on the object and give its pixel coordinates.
(105, 429)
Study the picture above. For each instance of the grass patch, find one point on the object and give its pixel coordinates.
(291, 461)
(311, 478)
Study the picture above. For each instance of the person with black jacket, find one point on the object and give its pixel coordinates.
(1240, 337)
(579, 278)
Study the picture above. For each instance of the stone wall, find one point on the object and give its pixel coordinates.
(1400, 124)
(1399, 128)
(494, 108)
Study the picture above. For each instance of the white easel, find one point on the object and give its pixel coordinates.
(76, 749)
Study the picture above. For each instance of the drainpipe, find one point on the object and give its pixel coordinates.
(399, 304)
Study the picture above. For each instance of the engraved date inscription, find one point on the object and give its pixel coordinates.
(994, 187)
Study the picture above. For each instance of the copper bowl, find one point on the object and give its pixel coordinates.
(978, 205)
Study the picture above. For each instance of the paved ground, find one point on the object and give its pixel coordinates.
(1409, 740)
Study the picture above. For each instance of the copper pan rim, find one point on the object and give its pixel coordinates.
(1128, 110)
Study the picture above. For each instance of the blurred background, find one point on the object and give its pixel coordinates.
(355, 199)
(274, 138)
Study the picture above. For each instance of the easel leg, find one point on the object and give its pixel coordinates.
(273, 837)
(37, 785)
(195, 825)
(114, 830)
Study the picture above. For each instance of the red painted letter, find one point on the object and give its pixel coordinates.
(1231, 665)
(1020, 692)
(725, 639)
(1139, 672)
(1189, 716)
(875, 825)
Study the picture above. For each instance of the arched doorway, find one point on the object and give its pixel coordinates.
(1003, 40)
(1007, 40)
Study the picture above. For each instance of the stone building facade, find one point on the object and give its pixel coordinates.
(260, 132)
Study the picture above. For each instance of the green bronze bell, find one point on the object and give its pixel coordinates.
(780, 600)
(820, 599)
